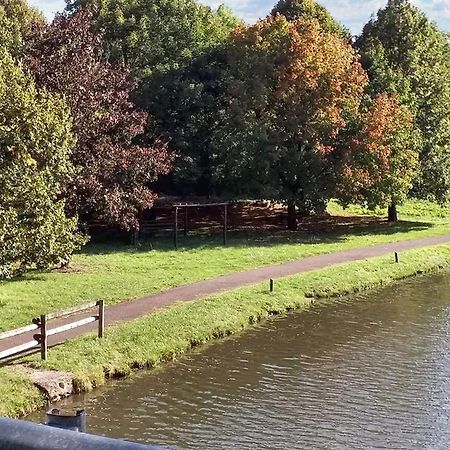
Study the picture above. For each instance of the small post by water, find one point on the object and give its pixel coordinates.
(396, 257)
(101, 318)
(271, 285)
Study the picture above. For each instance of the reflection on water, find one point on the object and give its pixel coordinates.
(368, 372)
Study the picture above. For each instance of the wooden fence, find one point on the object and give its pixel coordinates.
(42, 324)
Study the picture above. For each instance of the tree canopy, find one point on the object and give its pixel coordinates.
(291, 86)
(35, 143)
(310, 9)
(379, 158)
(406, 54)
(158, 35)
(17, 19)
(114, 169)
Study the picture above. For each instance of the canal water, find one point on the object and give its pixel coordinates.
(370, 371)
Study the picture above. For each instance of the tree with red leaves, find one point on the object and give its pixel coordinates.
(115, 167)
(380, 159)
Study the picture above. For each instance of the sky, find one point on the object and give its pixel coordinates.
(352, 13)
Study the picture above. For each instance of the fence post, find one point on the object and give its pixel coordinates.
(185, 221)
(225, 224)
(175, 237)
(101, 318)
(44, 339)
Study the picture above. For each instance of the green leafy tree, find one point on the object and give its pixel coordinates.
(17, 19)
(291, 86)
(406, 54)
(170, 46)
(35, 141)
(310, 9)
(185, 106)
(156, 36)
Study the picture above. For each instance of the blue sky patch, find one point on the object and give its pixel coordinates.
(352, 13)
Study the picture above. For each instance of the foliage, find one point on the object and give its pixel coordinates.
(170, 46)
(310, 9)
(156, 36)
(407, 55)
(380, 162)
(17, 19)
(185, 107)
(291, 87)
(35, 141)
(114, 171)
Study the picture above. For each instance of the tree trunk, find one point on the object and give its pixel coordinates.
(392, 213)
(292, 216)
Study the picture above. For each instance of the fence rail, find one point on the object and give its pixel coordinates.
(40, 339)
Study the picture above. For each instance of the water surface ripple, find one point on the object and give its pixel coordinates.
(365, 372)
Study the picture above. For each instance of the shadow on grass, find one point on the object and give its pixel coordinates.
(314, 231)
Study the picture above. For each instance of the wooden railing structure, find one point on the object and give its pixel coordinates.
(40, 339)
(186, 206)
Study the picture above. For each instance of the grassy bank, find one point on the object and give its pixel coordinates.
(162, 336)
(116, 272)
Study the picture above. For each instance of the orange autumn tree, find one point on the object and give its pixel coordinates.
(380, 160)
(297, 129)
(292, 87)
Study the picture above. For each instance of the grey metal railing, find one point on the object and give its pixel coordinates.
(23, 435)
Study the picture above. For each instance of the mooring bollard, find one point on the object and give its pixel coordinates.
(74, 420)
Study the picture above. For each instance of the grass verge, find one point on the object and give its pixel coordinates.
(117, 272)
(149, 341)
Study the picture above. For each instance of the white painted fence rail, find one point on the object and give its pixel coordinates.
(40, 340)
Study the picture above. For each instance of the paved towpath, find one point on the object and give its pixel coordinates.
(129, 310)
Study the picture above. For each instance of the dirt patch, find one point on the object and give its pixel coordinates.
(251, 216)
(70, 268)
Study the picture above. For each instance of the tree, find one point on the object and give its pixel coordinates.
(170, 46)
(114, 169)
(17, 18)
(35, 142)
(291, 87)
(406, 54)
(157, 36)
(185, 107)
(310, 9)
(380, 158)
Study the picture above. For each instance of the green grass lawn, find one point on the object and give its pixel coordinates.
(161, 336)
(116, 272)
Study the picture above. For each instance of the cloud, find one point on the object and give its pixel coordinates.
(352, 13)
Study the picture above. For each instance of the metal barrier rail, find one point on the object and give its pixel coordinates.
(22, 435)
(40, 340)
